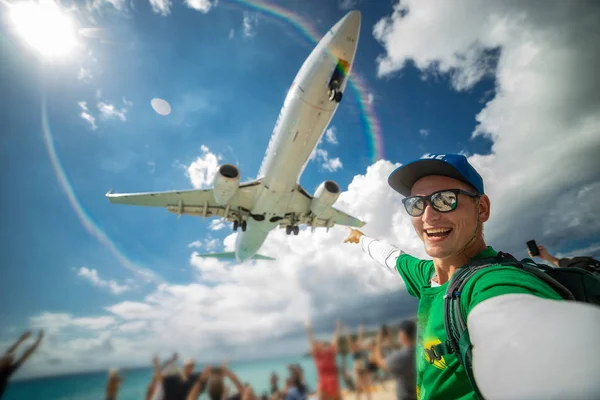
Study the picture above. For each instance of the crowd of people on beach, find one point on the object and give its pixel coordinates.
(374, 360)
(487, 324)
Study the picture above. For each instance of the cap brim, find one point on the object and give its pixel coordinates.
(404, 177)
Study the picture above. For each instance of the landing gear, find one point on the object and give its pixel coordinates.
(236, 225)
(292, 229)
(334, 91)
(334, 95)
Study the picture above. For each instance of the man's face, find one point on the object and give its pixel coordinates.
(462, 221)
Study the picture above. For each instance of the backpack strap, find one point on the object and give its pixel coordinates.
(459, 342)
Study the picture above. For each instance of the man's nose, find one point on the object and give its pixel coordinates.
(429, 214)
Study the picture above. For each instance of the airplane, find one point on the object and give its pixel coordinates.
(275, 198)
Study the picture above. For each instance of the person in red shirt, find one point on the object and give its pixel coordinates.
(325, 353)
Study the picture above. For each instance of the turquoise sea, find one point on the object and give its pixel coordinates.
(91, 386)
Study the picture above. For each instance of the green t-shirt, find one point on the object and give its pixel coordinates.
(446, 378)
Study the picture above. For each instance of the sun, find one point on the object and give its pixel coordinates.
(44, 27)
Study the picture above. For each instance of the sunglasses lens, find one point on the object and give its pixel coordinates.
(444, 201)
(414, 206)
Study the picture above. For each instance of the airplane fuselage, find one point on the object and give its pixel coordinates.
(307, 110)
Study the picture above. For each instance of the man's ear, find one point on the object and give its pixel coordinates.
(484, 208)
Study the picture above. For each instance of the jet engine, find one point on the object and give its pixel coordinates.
(327, 193)
(226, 183)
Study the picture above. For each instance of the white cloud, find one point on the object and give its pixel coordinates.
(370, 98)
(91, 275)
(162, 7)
(211, 244)
(231, 33)
(110, 111)
(347, 4)
(202, 171)
(119, 5)
(195, 244)
(133, 326)
(203, 6)
(54, 322)
(84, 74)
(332, 164)
(152, 166)
(544, 112)
(217, 224)
(592, 250)
(322, 156)
(330, 136)
(424, 132)
(87, 116)
(249, 23)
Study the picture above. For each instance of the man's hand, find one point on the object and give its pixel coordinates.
(353, 236)
(40, 337)
(307, 324)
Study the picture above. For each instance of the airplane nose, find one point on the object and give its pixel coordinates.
(345, 36)
(352, 19)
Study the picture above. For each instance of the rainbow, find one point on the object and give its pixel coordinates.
(87, 221)
(357, 83)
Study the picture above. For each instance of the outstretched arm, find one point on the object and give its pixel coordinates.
(168, 363)
(233, 378)
(200, 384)
(16, 344)
(385, 254)
(158, 376)
(377, 356)
(30, 350)
(531, 329)
(544, 255)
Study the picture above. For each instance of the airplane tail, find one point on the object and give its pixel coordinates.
(230, 255)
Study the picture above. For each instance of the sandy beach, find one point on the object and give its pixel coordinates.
(387, 391)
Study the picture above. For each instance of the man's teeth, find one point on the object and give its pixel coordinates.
(438, 230)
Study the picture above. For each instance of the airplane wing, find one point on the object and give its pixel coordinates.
(198, 202)
(299, 208)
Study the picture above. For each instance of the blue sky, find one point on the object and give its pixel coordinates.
(225, 73)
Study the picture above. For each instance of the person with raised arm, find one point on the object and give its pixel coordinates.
(324, 355)
(8, 365)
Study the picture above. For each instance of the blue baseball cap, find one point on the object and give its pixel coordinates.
(453, 166)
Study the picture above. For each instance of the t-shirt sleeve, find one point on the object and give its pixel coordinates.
(416, 273)
(500, 280)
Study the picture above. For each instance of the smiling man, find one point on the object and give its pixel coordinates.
(516, 323)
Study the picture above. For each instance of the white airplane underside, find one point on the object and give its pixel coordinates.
(275, 199)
